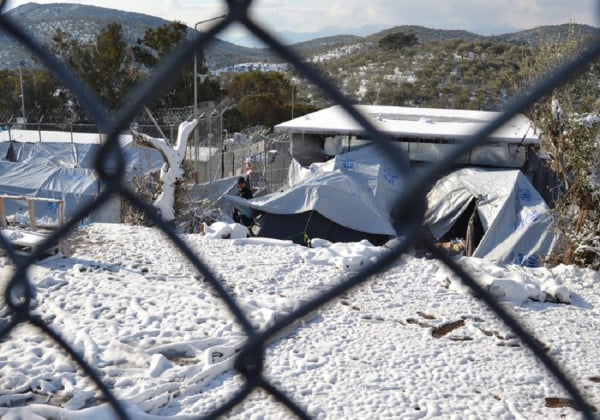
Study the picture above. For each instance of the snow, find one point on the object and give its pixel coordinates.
(34, 136)
(449, 124)
(172, 168)
(411, 342)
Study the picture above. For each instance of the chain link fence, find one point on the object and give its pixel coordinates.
(410, 208)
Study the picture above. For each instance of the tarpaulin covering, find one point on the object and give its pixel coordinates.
(516, 221)
(355, 190)
(64, 170)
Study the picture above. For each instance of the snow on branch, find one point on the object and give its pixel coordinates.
(172, 168)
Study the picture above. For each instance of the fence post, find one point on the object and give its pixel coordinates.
(31, 205)
(3, 217)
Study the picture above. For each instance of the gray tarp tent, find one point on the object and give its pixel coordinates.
(64, 170)
(351, 196)
(79, 155)
(347, 198)
(73, 185)
(515, 221)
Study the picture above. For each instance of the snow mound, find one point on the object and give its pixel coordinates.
(222, 230)
(344, 255)
(508, 283)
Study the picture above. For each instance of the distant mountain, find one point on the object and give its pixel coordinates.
(549, 34)
(532, 37)
(84, 22)
(290, 37)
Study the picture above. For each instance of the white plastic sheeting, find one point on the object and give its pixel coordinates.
(75, 186)
(516, 221)
(64, 170)
(356, 190)
(335, 195)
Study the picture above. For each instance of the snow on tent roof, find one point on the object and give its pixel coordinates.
(34, 136)
(406, 122)
(76, 186)
(56, 147)
(336, 195)
(355, 190)
(61, 166)
(516, 221)
(60, 154)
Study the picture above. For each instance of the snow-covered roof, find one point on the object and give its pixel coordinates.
(407, 123)
(46, 136)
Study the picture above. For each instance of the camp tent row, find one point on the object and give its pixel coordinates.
(62, 167)
(343, 189)
(340, 187)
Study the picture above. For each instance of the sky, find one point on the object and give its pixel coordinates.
(410, 343)
(486, 17)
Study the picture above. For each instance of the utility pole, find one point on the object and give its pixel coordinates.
(292, 83)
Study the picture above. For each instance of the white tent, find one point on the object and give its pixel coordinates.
(357, 190)
(63, 168)
(352, 195)
(516, 222)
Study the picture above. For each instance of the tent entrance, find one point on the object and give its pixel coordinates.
(467, 228)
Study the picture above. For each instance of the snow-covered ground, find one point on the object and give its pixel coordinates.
(409, 343)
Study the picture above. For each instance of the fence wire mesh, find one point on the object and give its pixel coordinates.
(409, 208)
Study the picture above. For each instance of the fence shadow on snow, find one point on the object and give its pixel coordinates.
(410, 207)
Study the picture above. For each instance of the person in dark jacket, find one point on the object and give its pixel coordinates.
(244, 191)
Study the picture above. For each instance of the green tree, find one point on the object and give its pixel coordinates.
(113, 73)
(47, 101)
(572, 144)
(179, 92)
(263, 98)
(104, 64)
(233, 120)
(158, 42)
(9, 91)
(398, 41)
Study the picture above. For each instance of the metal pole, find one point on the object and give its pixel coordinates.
(22, 93)
(222, 145)
(292, 83)
(196, 87)
(196, 130)
(196, 135)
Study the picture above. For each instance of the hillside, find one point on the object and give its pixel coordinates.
(84, 22)
(425, 35)
(549, 34)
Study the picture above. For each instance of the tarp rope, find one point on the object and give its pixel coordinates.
(304, 232)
